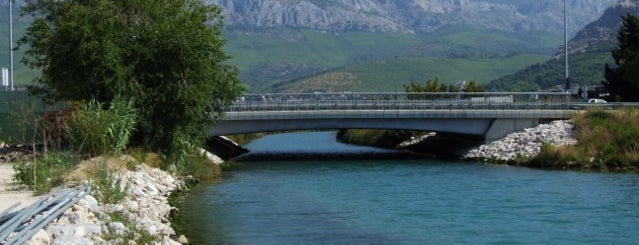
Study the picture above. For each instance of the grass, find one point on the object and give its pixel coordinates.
(134, 234)
(107, 185)
(390, 75)
(272, 57)
(608, 140)
(50, 171)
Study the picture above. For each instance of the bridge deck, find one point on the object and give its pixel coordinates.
(489, 115)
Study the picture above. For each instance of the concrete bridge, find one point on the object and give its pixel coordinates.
(487, 115)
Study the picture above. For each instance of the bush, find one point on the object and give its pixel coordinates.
(107, 186)
(199, 167)
(49, 170)
(94, 131)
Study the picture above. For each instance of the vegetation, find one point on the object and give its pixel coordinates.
(435, 86)
(107, 185)
(375, 137)
(269, 58)
(607, 140)
(622, 80)
(585, 69)
(135, 234)
(94, 131)
(166, 57)
(388, 75)
(48, 173)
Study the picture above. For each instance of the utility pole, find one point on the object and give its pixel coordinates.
(566, 48)
(11, 42)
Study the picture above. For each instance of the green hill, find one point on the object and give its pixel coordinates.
(462, 41)
(390, 75)
(586, 68)
(269, 57)
(382, 61)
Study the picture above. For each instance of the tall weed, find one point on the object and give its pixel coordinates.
(608, 137)
(108, 186)
(95, 131)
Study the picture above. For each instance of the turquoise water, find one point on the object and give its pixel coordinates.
(404, 201)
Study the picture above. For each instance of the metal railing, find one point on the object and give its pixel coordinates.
(400, 101)
(18, 227)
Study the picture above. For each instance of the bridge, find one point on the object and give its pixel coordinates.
(487, 115)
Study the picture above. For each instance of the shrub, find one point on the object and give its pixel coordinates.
(199, 167)
(49, 169)
(108, 186)
(94, 131)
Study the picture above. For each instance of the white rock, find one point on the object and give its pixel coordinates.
(40, 238)
(118, 228)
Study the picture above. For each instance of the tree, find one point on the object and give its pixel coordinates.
(166, 56)
(473, 86)
(622, 80)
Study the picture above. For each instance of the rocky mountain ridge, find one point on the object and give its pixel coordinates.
(604, 30)
(413, 16)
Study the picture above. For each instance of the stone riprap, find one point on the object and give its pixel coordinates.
(145, 208)
(524, 144)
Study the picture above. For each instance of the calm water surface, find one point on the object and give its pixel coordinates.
(426, 201)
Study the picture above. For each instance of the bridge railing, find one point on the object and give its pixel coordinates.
(400, 101)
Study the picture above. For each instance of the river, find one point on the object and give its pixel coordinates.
(406, 201)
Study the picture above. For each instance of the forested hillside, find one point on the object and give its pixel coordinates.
(589, 52)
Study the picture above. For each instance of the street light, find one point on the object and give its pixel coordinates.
(566, 48)
(11, 42)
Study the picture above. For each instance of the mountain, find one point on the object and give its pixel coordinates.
(589, 50)
(603, 30)
(414, 16)
(284, 41)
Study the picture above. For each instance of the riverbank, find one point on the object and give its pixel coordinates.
(524, 145)
(142, 215)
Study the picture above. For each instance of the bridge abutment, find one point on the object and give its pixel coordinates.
(502, 127)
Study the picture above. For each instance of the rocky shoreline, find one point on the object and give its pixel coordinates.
(525, 144)
(142, 217)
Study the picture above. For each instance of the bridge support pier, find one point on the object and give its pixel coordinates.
(502, 127)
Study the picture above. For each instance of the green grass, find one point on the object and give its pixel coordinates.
(607, 140)
(264, 58)
(390, 75)
(274, 57)
(585, 69)
(462, 41)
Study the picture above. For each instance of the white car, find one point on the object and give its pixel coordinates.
(596, 101)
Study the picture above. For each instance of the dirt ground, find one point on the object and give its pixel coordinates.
(9, 193)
